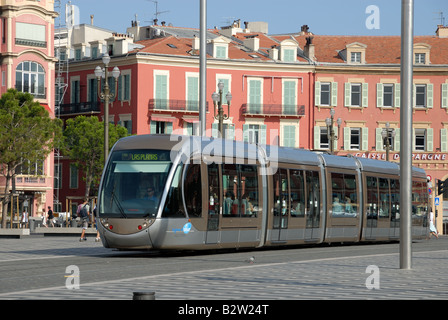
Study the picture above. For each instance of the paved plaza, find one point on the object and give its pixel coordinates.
(360, 277)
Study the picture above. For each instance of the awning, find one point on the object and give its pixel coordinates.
(163, 119)
(190, 120)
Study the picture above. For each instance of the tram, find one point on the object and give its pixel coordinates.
(186, 192)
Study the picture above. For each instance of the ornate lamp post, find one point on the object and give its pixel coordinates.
(217, 102)
(106, 95)
(332, 137)
(387, 133)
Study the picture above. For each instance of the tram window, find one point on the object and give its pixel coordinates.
(344, 193)
(395, 199)
(240, 190)
(281, 198)
(313, 199)
(193, 190)
(419, 198)
(174, 206)
(384, 205)
(213, 185)
(372, 197)
(297, 193)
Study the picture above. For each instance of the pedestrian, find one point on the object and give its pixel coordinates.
(24, 220)
(50, 216)
(84, 213)
(432, 227)
(97, 239)
(44, 218)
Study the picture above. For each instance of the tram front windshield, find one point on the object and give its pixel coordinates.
(133, 183)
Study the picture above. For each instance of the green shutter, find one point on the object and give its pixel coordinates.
(334, 94)
(289, 136)
(263, 134)
(365, 95)
(289, 97)
(397, 95)
(161, 94)
(317, 93)
(316, 137)
(215, 130)
(444, 102)
(430, 139)
(120, 85)
(255, 96)
(365, 139)
(193, 94)
(127, 87)
(443, 140)
(245, 132)
(429, 95)
(379, 143)
(379, 95)
(347, 94)
(397, 140)
(347, 138)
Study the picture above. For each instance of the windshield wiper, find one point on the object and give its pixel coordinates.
(120, 208)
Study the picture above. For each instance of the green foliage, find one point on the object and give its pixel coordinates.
(84, 144)
(27, 133)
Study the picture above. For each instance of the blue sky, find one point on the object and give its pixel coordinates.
(324, 17)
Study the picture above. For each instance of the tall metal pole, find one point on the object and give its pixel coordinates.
(407, 26)
(106, 113)
(202, 66)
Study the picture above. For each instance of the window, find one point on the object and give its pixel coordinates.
(355, 95)
(289, 55)
(58, 176)
(344, 195)
(124, 87)
(161, 127)
(75, 92)
(30, 77)
(281, 201)
(255, 97)
(193, 190)
(355, 138)
(355, 57)
(161, 91)
(420, 58)
(240, 188)
(420, 96)
(289, 136)
(73, 176)
(388, 95)
(324, 94)
(420, 140)
(254, 133)
(33, 169)
(193, 93)
(221, 52)
(289, 97)
(29, 34)
(324, 141)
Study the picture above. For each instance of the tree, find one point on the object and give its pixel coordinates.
(27, 133)
(84, 144)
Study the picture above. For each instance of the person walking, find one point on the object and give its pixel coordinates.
(50, 216)
(432, 227)
(44, 218)
(84, 214)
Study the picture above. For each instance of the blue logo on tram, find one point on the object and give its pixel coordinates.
(186, 228)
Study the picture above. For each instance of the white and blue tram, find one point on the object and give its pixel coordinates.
(184, 192)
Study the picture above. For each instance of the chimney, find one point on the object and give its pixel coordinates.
(304, 30)
(196, 43)
(253, 43)
(273, 53)
(442, 31)
(91, 19)
(309, 49)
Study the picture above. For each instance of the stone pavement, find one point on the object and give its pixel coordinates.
(361, 277)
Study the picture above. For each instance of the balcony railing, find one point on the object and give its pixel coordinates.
(174, 105)
(79, 108)
(273, 110)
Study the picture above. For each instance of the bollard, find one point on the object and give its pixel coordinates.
(144, 296)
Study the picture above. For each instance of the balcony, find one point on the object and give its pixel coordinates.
(273, 110)
(79, 108)
(172, 105)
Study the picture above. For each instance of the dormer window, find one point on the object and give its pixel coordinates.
(420, 58)
(355, 57)
(288, 50)
(355, 53)
(219, 48)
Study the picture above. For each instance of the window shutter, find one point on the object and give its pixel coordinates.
(397, 140)
(263, 134)
(334, 94)
(347, 93)
(379, 139)
(317, 93)
(397, 95)
(346, 138)
(245, 132)
(365, 95)
(444, 95)
(379, 95)
(443, 140)
(365, 138)
(429, 95)
(429, 139)
(316, 137)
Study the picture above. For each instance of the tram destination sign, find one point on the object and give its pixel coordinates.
(424, 156)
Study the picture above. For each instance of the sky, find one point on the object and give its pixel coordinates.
(324, 17)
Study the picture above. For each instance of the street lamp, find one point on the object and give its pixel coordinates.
(330, 130)
(217, 102)
(106, 95)
(387, 133)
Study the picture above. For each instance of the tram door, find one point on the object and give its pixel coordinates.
(312, 205)
(378, 208)
(213, 216)
(281, 205)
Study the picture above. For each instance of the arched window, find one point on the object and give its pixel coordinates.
(30, 77)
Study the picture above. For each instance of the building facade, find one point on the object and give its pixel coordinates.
(28, 64)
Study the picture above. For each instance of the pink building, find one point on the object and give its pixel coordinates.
(28, 64)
